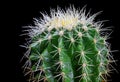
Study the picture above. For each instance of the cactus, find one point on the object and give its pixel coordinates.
(68, 46)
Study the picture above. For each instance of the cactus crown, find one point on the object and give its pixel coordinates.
(68, 46)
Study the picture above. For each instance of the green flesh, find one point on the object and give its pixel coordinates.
(60, 60)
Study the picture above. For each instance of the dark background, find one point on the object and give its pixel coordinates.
(24, 12)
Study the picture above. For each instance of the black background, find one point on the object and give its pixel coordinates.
(24, 12)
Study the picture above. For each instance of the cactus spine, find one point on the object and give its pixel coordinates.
(67, 46)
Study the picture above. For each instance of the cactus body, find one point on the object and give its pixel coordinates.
(68, 47)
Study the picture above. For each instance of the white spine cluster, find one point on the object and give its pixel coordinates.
(67, 19)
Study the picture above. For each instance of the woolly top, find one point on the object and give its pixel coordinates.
(66, 19)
